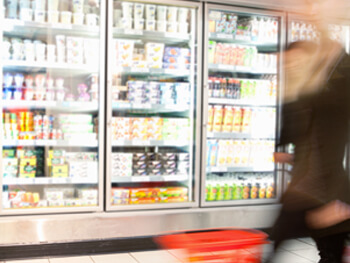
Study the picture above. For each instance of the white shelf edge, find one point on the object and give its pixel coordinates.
(149, 143)
(150, 178)
(63, 143)
(51, 180)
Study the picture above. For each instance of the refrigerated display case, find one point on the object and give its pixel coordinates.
(52, 106)
(152, 109)
(300, 27)
(242, 79)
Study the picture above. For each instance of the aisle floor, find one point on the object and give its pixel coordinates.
(301, 250)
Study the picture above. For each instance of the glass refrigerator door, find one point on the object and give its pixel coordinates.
(153, 74)
(51, 117)
(242, 83)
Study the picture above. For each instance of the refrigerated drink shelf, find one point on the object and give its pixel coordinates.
(241, 102)
(240, 169)
(160, 72)
(65, 106)
(29, 29)
(156, 108)
(36, 66)
(240, 69)
(144, 35)
(229, 38)
(165, 143)
(165, 178)
(62, 143)
(236, 135)
(48, 181)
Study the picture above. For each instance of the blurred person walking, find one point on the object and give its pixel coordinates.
(315, 115)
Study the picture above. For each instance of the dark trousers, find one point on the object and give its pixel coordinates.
(331, 248)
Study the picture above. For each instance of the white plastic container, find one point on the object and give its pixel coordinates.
(66, 17)
(182, 15)
(172, 27)
(138, 10)
(139, 24)
(150, 25)
(53, 17)
(150, 12)
(161, 13)
(172, 14)
(161, 26)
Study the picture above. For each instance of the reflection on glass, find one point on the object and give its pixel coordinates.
(50, 104)
(153, 99)
(242, 96)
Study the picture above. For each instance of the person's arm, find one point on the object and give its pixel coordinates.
(281, 157)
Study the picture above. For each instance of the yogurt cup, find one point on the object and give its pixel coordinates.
(138, 10)
(161, 26)
(150, 12)
(78, 18)
(183, 28)
(40, 4)
(139, 24)
(26, 14)
(66, 17)
(52, 5)
(91, 19)
(40, 51)
(39, 16)
(12, 7)
(161, 13)
(150, 25)
(125, 23)
(78, 6)
(53, 16)
(172, 27)
(172, 14)
(182, 15)
(29, 51)
(51, 53)
(127, 9)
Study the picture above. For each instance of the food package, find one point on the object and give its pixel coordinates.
(75, 118)
(139, 129)
(124, 50)
(154, 54)
(120, 196)
(53, 194)
(59, 171)
(121, 164)
(155, 129)
(144, 192)
(72, 202)
(27, 168)
(10, 167)
(121, 128)
(148, 200)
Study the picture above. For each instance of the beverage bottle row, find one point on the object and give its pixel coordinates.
(242, 89)
(259, 121)
(256, 29)
(240, 153)
(233, 187)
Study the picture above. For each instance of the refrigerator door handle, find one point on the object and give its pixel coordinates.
(205, 102)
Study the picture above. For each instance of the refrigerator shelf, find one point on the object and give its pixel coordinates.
(155, 143)
(263, 46)
(65, 106)
(35, 66)
(241, 102)
(159, 72)
(165, 178)
(30, 28)
(144, 35)
(239, 169)
(236, 135)
(156, 108)
(48, 181)
(240, 69)
(61, 143)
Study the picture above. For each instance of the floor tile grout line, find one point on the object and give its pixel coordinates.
(92, 259)
(134, 258)
(176, 257)
(301, 256)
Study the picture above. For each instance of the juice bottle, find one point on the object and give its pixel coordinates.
(210, 117)
(220, 189)
(223, 88)
(218, 116)
(213, 153)
(237, 119)
(246, 191)
(216, 90)
(246, 120)
(211, 52)
(210, 87)
(228, 119)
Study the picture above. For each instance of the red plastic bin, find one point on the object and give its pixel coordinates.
(219, 245)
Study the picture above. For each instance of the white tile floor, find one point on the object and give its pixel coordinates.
(293, 251)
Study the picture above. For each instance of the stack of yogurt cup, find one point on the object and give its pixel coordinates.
(151, 17)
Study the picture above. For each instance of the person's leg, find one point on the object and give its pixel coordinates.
(331, 248)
